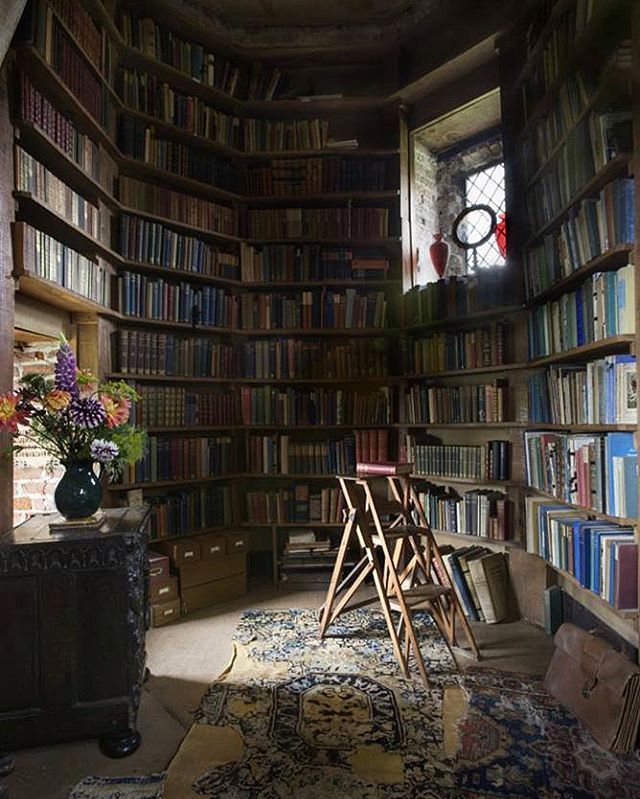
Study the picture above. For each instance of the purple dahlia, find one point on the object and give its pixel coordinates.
(103, 451)
(66, 370)
(87, 412)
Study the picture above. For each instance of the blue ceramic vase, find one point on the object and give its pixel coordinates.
(79, 493)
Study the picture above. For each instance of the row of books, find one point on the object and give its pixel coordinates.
(43, 256)
(277, 454)
(419, 404)
(35, 179)
(186, 512)
(488, 461)
(288, 262)
(169, 459)
(145, 92)
(139, 352)
(82, 27)
(573, 97)
(480, 512)
(280, 135)
(150, 242)
(580, 157)
(299, 503)
(568, 26)
(82, 150)
(601, 555)
(456, 349)
(481, 581)
(139, 141)
(59, 51)
(155, 298)
(290, 358)
(601, 307)
(265, 82)
(174, 406)
(456, 296)
(592, 228)
(270, 405)
(318, 223)
(594, 471)
(178, 207)
(305, 176)
(309, 310)
(307, 560)
(159, 42)
(603, 391)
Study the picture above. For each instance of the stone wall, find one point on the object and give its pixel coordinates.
(425, 210)
(438, 198)
(450, 182)
(34, 484)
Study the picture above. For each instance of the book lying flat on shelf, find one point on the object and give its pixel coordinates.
(383, 469)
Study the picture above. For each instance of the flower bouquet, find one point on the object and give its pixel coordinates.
(79, 423)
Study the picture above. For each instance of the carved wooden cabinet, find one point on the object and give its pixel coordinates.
(73, 617)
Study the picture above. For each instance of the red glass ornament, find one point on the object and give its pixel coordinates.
(439, 252)
(501, 235)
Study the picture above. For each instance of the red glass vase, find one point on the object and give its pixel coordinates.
(439, 252)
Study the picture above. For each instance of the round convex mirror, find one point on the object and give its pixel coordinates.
(473, 227)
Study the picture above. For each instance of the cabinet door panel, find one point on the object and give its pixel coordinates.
(19, 674)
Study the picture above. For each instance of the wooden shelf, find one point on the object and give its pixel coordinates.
(320, 284)
(286, 525)
(319, 427)
(118, 487)
(35, 212)
(611, 259)
(347, 152)
(478, 370)
(291, 476)
(131, 167)
(169, 272)
(615, 168)
(462, 425)
(595, 513)
(167, 378)
(62, 165)
(255, 380)
(583, 428)
(588, 351)
(52, 294)
(455, 321)
(143, 322)
(222, 529)
(390, 244)
(466, 538)
(327, 197)
(176, 132)
(612, 77)
(182, 227)
(200, 429)
(583, 45)
(34, 65)
(536, 50)
(340, 332)
(467, 481)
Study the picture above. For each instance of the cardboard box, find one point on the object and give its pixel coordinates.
(201, 596)
(165, 612)
(213, 546)
(164, 590)
(208, 570)
(158, 567)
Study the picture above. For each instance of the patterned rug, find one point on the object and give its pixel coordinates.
(293, 717)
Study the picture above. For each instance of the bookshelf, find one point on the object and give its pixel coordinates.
(574, 212)
(227, 229)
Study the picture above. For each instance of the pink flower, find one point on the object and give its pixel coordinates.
(57, 400)
(10, 415)
(117, 409)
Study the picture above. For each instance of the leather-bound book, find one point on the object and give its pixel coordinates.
(384, 469)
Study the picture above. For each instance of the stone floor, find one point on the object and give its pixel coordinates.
(184, 658)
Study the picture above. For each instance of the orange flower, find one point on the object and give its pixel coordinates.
(117, 409)
(57, 400)
(10, 415)
(86, 382)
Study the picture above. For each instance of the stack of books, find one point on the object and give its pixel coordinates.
(307, 560)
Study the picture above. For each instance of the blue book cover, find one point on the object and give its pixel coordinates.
(579, 317)
(461, 583)
(631, 485)
(616, 445)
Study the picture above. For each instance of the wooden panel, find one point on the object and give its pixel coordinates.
(19, 687)
(6, 291)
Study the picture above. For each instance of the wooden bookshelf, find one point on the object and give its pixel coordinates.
(444, 536)
(588, 351)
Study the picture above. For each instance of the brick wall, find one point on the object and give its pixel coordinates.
(34, 484)
(425, 210)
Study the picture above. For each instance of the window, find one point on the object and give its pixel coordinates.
(486, 187)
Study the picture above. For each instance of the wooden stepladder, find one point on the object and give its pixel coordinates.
(401, 556)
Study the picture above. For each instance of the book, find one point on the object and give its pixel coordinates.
(383, 469)
(491, 580)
